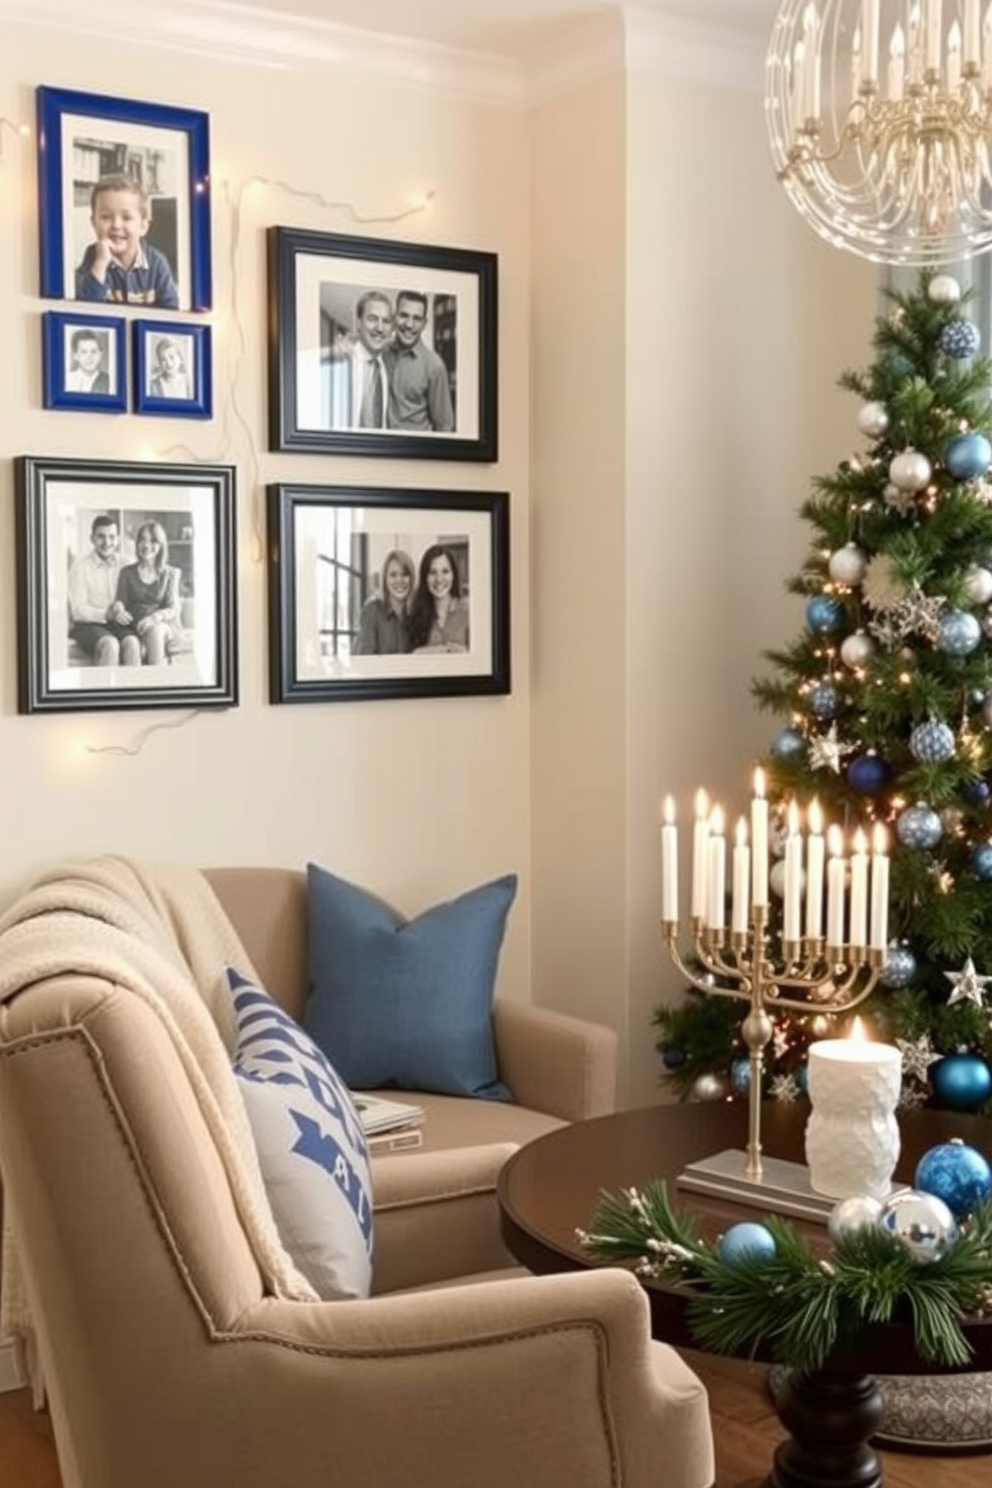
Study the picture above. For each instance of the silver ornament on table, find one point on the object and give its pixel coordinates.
(847, 565)
(920, 1224)
(978, 584)
(968, 985)
(845, 1219)
(858, 649)
(910, 470)
(943, 289)
(709, 1087)
(873, 419)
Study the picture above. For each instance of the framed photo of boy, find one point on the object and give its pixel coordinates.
(380, 593)
(381, 348)
(84, 362)
(172, 372)
(124, 201)
(125, 585)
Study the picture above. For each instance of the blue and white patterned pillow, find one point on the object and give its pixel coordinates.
(311, 1147)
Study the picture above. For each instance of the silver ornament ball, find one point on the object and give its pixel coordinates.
(857, 649)
(851, 1215)
(848, 564)
(978, 584)
(709, 1087)
(910, 471)
(944, 290)
(873, 419)
(920, 1224)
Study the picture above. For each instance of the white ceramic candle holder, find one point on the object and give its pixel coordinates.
(852, 1136)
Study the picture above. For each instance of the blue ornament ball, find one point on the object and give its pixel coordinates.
(958, 633)
(823, 701)
(960, 339)
(740, 1075)
(978, 792)
(824, 614)
(802, 1078)
(900, 967)
(968, 455)
(868, 774)
(899, 364)
(787, 744)
(747, 1241)
(672, 1057)
(981, 861)
(920, 827)
(932, 742)
(963, 1082)
(956, 1173)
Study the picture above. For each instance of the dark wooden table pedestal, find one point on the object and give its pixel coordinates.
(550, 1188)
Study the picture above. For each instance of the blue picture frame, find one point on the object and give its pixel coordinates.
(61, 331)
(85, 136)
(190, 365)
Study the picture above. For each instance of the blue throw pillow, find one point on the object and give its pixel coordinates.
(311, 1145)
(406, 1003)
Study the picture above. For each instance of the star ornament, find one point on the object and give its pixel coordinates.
(968, 985)
(917, 1056)
(826, 752)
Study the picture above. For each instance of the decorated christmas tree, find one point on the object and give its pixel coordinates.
(885, 700)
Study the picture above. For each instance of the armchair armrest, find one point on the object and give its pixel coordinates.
(537, 1380)
(436, 1216)
(556, 1063)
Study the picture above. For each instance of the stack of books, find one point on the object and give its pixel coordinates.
(390, 1126)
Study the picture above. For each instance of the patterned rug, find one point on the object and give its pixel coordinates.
(932, 1412)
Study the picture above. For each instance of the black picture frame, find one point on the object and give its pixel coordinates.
(83, 137)
(317, 283)
(188, 392)
(84, 362)
(64, 511)
(333, 550)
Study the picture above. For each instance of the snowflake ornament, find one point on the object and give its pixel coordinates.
(785, 1088)
(912, 1097)
(968, 985)
(917, 1057)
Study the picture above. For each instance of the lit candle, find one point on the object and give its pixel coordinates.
(856, 63)
(798, 84)
(741, 876)
(717, 890)
(869, 32)
(972, 31)
(811, 25)
(814, 872)
(759, 841)
(934, 27)
(835, 889)
(859, 891)
(852, 1136)
(793, 877)
(669, 863)
(987, 47)
(953, 58)
(700, 849)
(897, 64)
(915, 47)
(879, 892)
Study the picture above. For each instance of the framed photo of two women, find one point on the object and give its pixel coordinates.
(381, 348)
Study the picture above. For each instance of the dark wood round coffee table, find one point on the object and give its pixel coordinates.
(549, 1189)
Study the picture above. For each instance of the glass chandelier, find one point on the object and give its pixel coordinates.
(880, 114)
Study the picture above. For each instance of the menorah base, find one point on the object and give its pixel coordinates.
(783, 1188)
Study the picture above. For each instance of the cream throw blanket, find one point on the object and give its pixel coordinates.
(159, 932)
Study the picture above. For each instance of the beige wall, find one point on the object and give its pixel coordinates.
(670, 336)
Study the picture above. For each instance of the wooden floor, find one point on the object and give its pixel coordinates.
(746, 1430)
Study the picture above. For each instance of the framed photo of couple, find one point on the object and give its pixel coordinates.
(125, 585)
(381, 348)
(124, 201)
(380, 593)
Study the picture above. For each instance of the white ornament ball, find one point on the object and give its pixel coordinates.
(873, 419)
(944, 290)
(910, 471)
(851, 1215)
(848, 564)
(858, 649)
(776, 878)
(978, 584)
(709, 1087)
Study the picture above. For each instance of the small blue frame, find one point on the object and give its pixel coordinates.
(58, 329)
(194, 345)
(58, 195)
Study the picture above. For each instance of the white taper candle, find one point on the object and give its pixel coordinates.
(741, 880)
(669, 862)
(716, 911)
(700, 840)
(792, 897)
(859, 891)
(835, 889)
(879, 892)
(759, 842)
(815, 849)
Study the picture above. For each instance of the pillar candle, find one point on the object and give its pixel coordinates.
(835, 890)
(879, 939)
(700, 850)
(669, 863)
(852, 1136)
(759, 842)
(741, 877)
(859, 891)
(717, 886)
(793, 878)
(814, 872)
